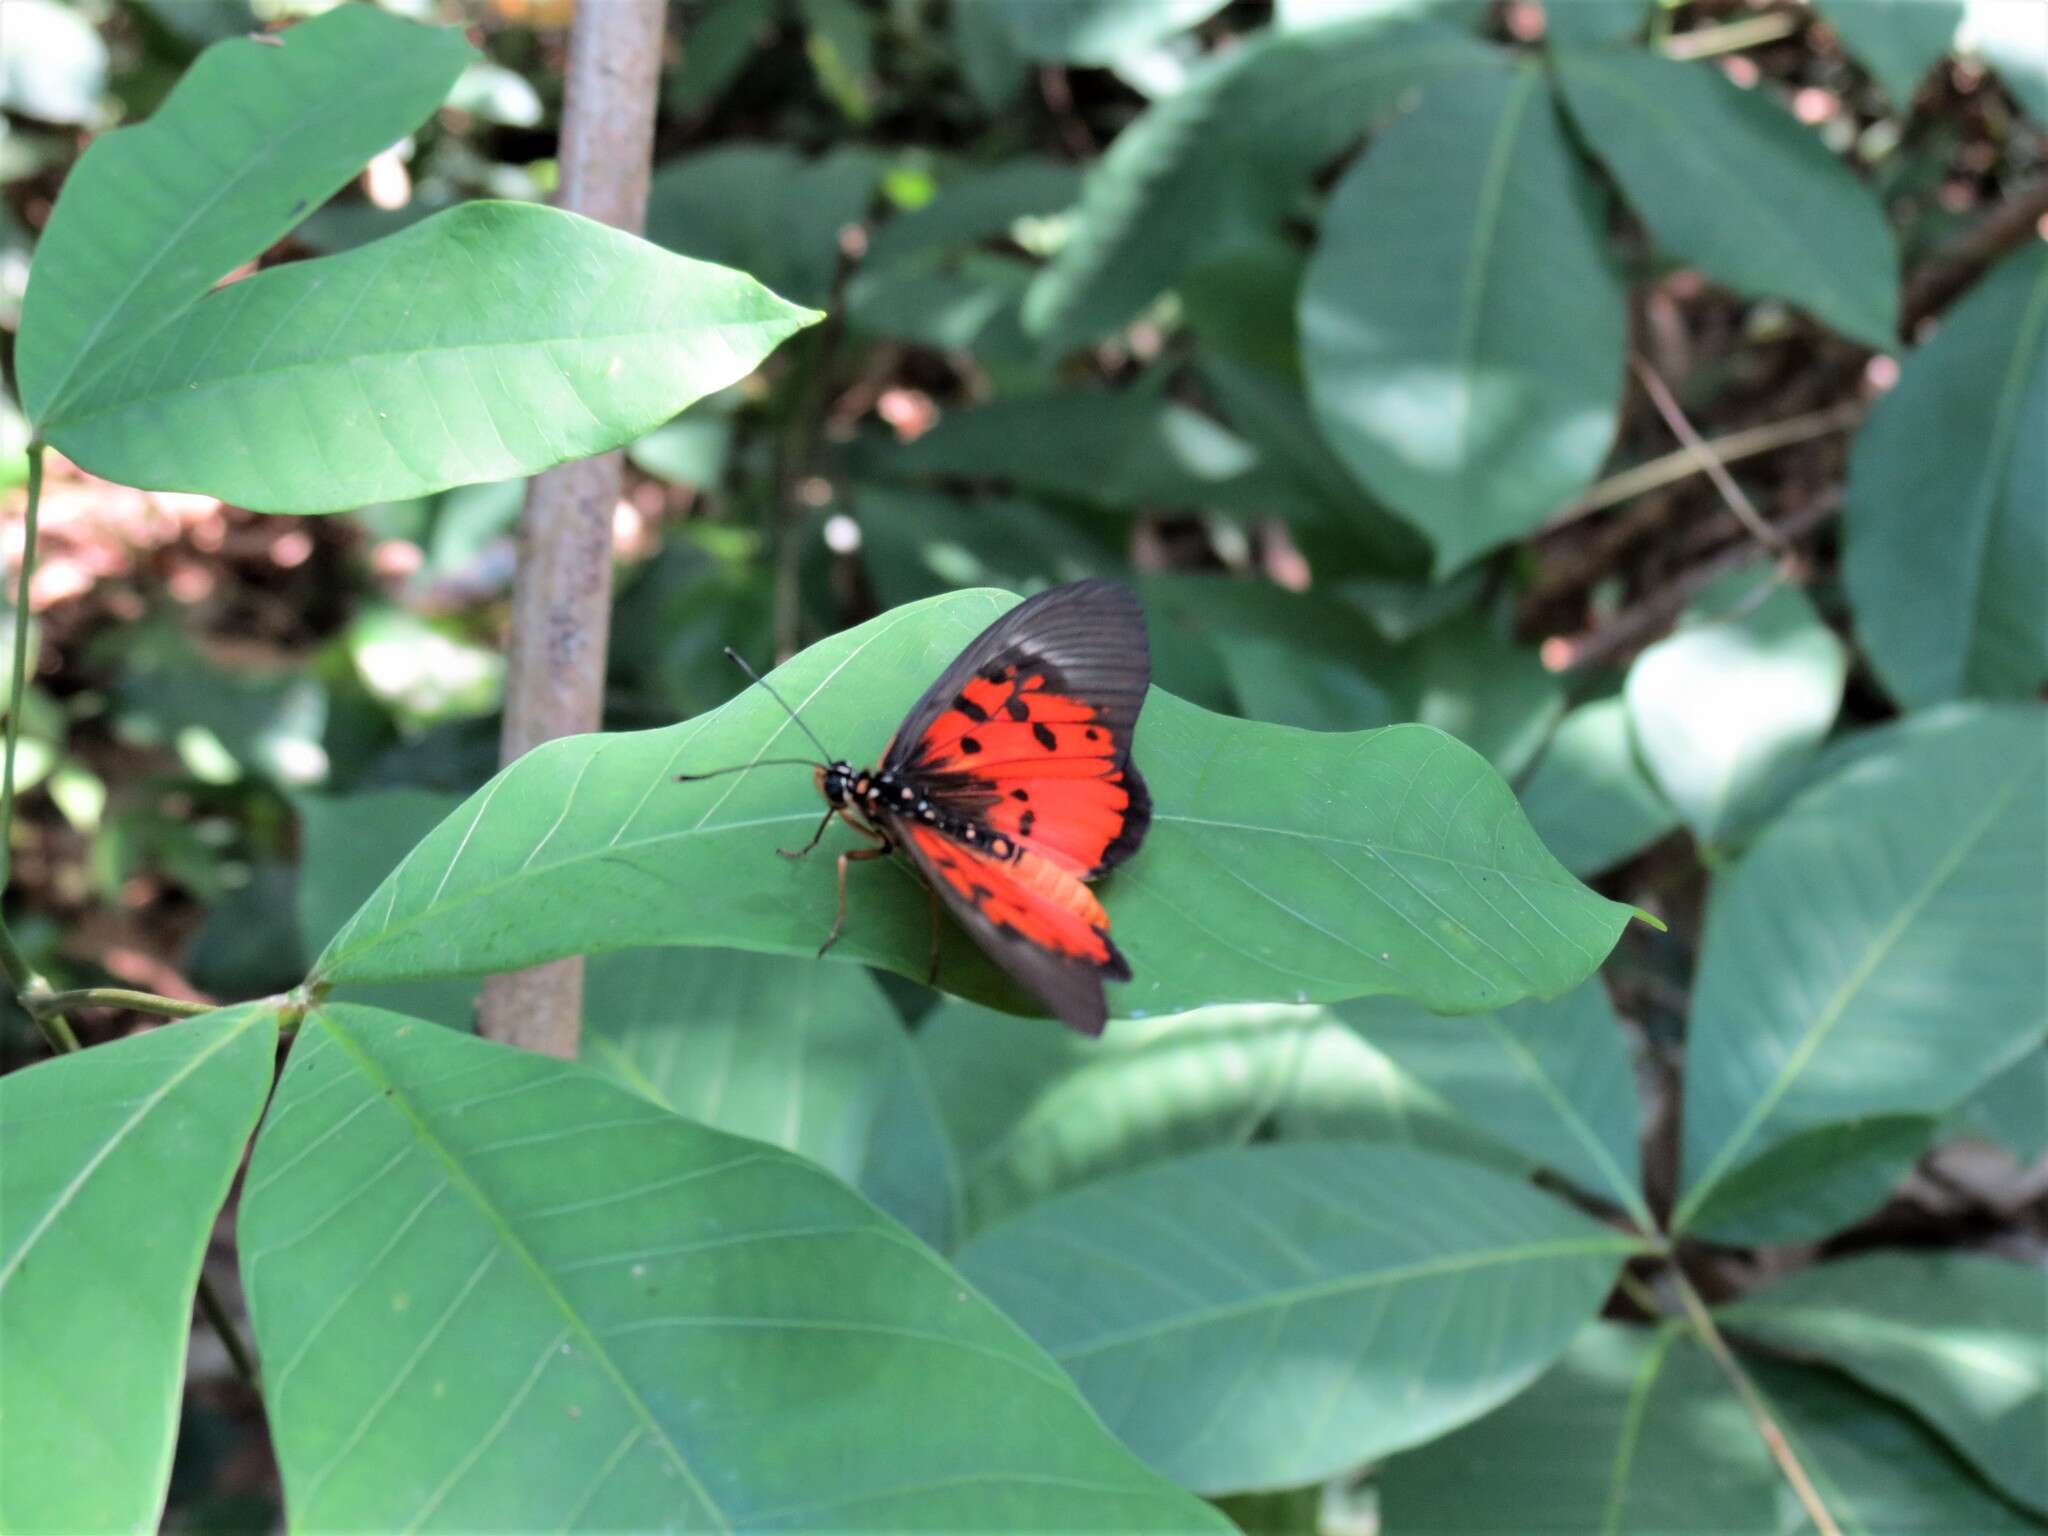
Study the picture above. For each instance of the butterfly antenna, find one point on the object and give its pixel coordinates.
(767, 762)
(764, 762)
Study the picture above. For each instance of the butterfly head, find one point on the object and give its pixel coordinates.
(835, 782)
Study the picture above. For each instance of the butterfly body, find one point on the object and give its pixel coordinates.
(1009, 786)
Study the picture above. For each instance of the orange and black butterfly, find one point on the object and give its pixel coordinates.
(1010, 785)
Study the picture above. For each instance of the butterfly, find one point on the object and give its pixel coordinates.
(1010, 786)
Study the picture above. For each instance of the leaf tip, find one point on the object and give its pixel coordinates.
(1651, 918)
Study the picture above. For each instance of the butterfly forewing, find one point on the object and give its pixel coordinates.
(1026, 740)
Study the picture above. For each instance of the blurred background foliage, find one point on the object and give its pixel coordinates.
(1371, 338)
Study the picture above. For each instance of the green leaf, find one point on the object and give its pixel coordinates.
(494, 1291)
(1637, 1433)
(1553, 1081)
(1954, 1337)
(1876, 952)
(1032, 1109)
(255, 137)
(1950, 606)
(1815, 1181)
(1589, 798)
(113, 1164)
(1267, 1316)
(1898, 41)
(1281, 865)
(1096, 32)
(2012, 1109)
(397, 369)
(1471, 400)
(1729, 708)
(785, 1051)
(764, 209)
(347, 845)
(1223, 158)
(1730, 182)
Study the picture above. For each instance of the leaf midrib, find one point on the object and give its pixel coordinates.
(399, 1098)
(1343, 1285)
(1837, 1006)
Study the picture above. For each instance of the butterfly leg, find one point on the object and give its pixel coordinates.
(797, 853)
(881, 850)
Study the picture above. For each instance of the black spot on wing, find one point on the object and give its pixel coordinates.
(969, 745)
(1046, 739)
(970, 709)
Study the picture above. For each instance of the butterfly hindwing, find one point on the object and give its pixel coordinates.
(1032, 917)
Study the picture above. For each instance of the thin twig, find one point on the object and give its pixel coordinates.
(18, 693)
(1681, 463)
(1731, 38)
(39, 1002)
(1656, 611)
(1716, 471)
(1950, 270)
(1759, 1411)
(230, 1336)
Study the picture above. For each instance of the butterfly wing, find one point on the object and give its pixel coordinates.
(1028, 732)
(1032, 917)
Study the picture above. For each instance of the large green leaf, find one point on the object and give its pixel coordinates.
(494, 1291)
(1728, 708)
(486, 342)
(1877, 952)
(1268, 1316)
(1589, 798)
(1637, 1433)
(1096, 31)
(1281, 865)
(1957, 1338)
(1898, 41)
(1814, 1181)
(113, 1165)
(1947, 506)
(1731, 182)
(1032, 1109)
(787, 1051)
(347, 845)
(1553, 1081)
(1465, 358)
(252, 140)
(1221, 159)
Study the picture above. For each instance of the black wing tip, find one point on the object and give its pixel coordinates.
(1137, 821)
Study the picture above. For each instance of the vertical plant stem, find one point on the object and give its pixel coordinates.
(561, 601)
(19, 689)
(55, 1027)
(1759, 1411)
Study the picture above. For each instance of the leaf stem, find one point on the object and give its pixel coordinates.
(40, 1002)
(1738, 502)
(1682, 463)
(1735, 35)
(230, 1336)
(1759, 1411)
